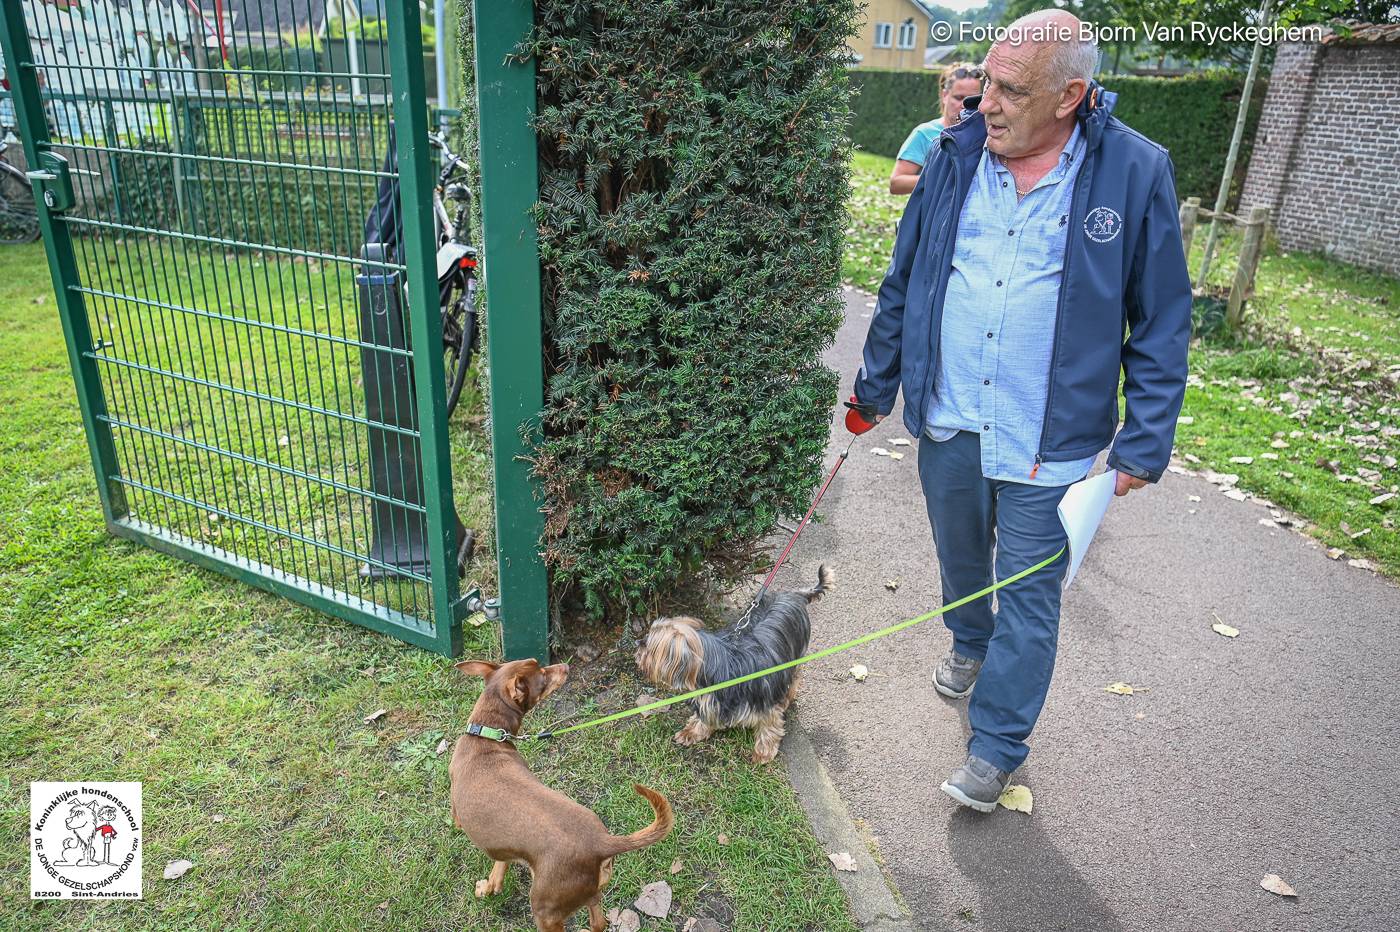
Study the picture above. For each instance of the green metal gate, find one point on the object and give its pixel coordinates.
(205, 188)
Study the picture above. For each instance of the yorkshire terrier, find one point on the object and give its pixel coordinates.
(680, 655)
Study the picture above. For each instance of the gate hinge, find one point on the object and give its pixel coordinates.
(54, 182)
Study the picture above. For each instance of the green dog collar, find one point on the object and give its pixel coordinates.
(486, 731)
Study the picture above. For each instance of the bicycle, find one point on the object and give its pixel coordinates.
(456, 270)
(19, 216)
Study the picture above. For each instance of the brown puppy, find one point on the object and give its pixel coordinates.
(512, 816)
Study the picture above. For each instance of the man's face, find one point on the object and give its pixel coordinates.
(1022, 111)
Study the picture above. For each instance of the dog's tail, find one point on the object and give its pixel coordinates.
(826, 580)
(653, 833)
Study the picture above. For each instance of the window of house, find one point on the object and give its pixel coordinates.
(907, 32)
(884, 32)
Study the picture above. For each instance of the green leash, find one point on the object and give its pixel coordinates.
(499, 734)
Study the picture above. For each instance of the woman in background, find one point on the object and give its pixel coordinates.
(960, 81)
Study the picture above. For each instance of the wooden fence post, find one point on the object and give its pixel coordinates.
(1189, 210)
(1243, 285)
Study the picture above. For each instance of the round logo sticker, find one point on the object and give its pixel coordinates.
(1103, 224)
(85, 840)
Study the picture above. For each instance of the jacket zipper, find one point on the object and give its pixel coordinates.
(936, 338)
(1081, 185)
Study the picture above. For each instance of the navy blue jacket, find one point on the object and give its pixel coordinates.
(1125, 297)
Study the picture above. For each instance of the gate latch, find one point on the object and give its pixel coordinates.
(53, 181)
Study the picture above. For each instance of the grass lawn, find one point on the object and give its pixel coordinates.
(1309, 395)
(244, 716)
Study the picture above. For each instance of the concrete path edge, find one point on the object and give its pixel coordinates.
(870, 891)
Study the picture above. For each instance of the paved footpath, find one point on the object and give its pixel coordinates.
(1270, 753)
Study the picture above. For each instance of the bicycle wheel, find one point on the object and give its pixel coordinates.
(459, 342)
(19, 220)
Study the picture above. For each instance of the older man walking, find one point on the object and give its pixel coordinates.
(1039, 255)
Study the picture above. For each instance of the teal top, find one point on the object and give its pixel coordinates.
(915, 148)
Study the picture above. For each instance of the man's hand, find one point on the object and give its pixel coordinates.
(1126, 483)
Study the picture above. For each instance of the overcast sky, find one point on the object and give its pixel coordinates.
(962, 6)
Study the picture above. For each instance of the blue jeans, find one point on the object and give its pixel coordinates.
(980, 525)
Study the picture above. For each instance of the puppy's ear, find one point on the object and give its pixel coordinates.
(477, 668)
(517, 690)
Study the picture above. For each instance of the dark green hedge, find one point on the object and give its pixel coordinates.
(1192, 116)
(694, 168)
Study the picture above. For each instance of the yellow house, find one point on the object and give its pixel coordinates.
(894, 35)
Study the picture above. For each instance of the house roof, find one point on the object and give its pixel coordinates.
(1364, 33)
(927, 8)
(266, 16)
(934, 56)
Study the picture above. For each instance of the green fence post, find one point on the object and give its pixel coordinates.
(425, 318)
(505, 88)
(63, 264)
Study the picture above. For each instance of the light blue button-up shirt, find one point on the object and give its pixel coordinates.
(999, 318)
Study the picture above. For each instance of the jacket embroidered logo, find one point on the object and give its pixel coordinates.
(1103, 224)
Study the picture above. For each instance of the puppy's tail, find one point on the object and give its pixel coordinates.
(826, 580)
(653, 833)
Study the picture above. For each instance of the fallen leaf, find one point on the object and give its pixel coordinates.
(645, 699)
(859, 672)
(1186, 420)
(655, 900)
(177, 869)
(1124, 689)
(1280, 444)
(1381, 499)
(676, 866)
(624, 920)
(284, 441)
(1140, 716)
(375, 716)
(842, 861)
(1276, 884)
(722, 839)
(442, 747)
(1242, 460)
(217, 817)
(1236, 495)
(879, 451)
(892, 584)
(1225, 630)
(896, 456)
(899, 442)
(1363, 565)
(1017, 798)
(1335, 553)
(1362, 533)
(1193, 498)
(383, 904)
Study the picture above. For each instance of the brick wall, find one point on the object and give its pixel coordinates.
(1326, 156)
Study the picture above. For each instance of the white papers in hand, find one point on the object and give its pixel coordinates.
(1081, 511)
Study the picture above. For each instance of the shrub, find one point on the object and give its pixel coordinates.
(1192, 116)
(693, 172)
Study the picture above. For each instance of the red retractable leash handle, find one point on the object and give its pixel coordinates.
(859, 419)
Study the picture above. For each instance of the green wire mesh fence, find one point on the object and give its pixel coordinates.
(260, 397)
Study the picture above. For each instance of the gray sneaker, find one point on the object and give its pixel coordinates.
(955, 675)
(977, 783)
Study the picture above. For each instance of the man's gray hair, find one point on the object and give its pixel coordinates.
(1068, 60)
